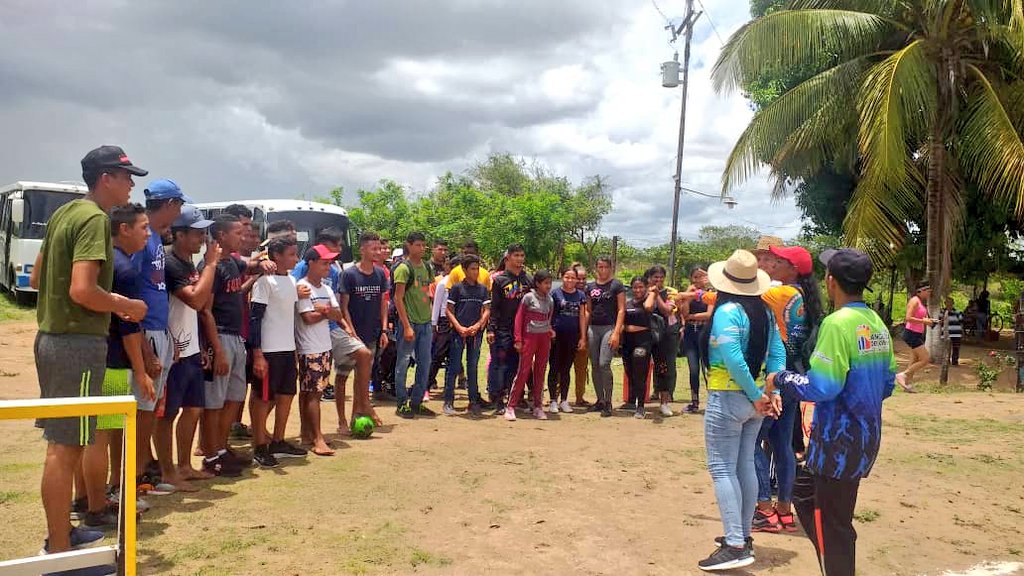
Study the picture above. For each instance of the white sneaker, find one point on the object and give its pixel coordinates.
(510, 414)
(665, 410)
(553, 408)
(539, 414)
(565, 407)
(449, 410)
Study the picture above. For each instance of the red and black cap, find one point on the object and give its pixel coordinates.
(107, 158)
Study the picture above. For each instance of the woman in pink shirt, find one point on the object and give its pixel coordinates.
(913, 334)
(533, 334)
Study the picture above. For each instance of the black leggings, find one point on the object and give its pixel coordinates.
(636, 359)
(563, 354)
(691, 343)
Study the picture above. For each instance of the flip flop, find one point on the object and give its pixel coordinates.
(328, 453)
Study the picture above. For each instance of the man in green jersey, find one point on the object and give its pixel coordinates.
(74, 273)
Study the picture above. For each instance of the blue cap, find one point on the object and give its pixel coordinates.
(165, 189)
(191, 217)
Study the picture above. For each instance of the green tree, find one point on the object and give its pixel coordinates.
(921, 97)
(384, 210)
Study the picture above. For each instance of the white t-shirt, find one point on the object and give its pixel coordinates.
(183, 323)
(314, 338)
(277, 292)
(440, 300)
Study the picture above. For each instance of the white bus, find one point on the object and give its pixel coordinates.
(25, 208)
(309, 219)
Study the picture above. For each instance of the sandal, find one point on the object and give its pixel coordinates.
(788, 522)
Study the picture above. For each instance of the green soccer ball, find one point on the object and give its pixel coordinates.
(362, 427)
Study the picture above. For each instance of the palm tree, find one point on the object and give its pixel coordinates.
(918, 98)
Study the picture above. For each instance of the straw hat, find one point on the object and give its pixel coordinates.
(764, 243)
(739, 275)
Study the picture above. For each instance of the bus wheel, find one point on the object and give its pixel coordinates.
(24, 298)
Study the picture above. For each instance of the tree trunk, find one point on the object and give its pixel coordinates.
(935, 235)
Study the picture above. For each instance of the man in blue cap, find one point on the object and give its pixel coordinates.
(164, 200)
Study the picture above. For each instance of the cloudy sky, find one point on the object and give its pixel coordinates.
(240, 99)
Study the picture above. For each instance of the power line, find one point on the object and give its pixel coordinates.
(713, 27)
(658, 8)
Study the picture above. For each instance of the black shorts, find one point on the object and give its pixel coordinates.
(913, 339)
(282, 376)
(185, 386)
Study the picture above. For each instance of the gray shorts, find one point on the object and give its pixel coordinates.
(342, 346)
(70, 366)
(163, 346)
(230, 387)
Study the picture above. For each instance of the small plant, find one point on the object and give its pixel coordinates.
(867, 515)
(989, 372)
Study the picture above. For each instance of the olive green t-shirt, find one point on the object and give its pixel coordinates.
(417, 291)
(78, 231)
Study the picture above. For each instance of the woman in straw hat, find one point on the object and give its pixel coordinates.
(743, 345)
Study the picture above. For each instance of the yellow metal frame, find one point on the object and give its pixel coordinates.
(74, 408)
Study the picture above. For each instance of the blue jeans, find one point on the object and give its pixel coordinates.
(472, 347)
(731, 425)
(503, 367)
(420, 347)
(779, 434)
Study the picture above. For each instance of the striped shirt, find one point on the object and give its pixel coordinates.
(954, 324)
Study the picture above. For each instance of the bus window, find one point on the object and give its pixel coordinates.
(39, 207)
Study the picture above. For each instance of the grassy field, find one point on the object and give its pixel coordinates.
(574, 494)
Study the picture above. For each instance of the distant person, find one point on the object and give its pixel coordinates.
(508, 287)
(439, 258)
(581, 363)
(637, 341)
(569, 322)
(74, 273)
(696, 314)
(129, 228)
(665, 351)
(469, 248)
(953, 326)
(313, 342)
(533, 335)
(190, 292)
(468, 308)
(272, 330)
(915, 322)
(851, 373)
(606, 314)
(414, 333)
(364, 302)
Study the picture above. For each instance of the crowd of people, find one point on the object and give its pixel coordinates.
(123, 309)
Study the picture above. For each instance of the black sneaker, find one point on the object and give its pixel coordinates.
(596, 407)
(222, 466)
(405, 411)
(105, 518)
(240, 431)
(726, 558)
(79, 507)
(262, 456)
(749, 544)
(606, 411)
(422, 410)
(628, 407)
(282, 449)
(486, 404)
(476, 410)
(328, 393)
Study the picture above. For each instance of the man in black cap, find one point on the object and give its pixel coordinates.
(851, 372)
(74, 273)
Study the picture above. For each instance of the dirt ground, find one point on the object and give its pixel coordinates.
(573, 495)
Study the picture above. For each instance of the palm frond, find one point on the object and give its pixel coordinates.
(775, 125)
(793, 38)
(897, 106)
(991, 150)
(877, 219)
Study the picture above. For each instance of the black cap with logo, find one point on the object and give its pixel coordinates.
(107, 158)
(849, 265)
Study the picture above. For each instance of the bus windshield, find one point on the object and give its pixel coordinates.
(39, 207)
(308, 224)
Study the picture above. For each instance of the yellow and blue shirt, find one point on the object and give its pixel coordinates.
(730, 334)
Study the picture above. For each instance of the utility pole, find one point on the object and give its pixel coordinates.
(615, 251)
(686, 30)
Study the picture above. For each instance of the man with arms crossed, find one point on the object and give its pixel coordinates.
(74, 273)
